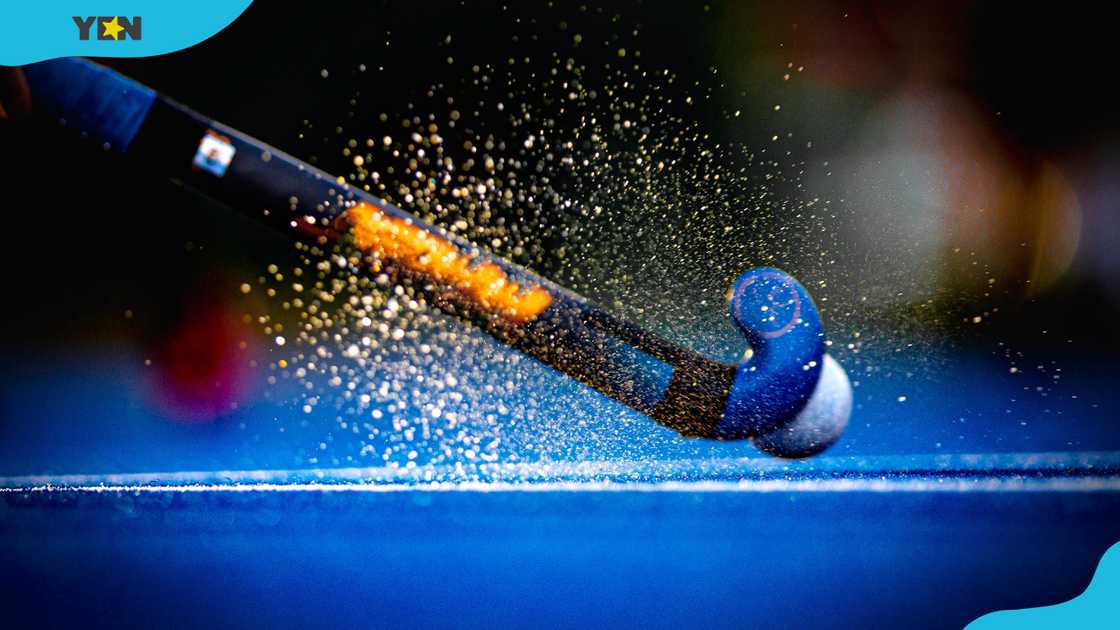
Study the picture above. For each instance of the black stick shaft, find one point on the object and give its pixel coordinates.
(675, 385)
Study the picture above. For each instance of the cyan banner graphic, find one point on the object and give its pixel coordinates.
(121, 28)
(1097, 607)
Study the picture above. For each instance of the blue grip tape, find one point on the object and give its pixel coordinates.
(90, 98)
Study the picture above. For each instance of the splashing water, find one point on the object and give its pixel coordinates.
(595, 172)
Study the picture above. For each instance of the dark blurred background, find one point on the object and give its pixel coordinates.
(953, 136)
(966, 152)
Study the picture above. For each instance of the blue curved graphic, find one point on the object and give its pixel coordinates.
(122, 28)
(1097, 607)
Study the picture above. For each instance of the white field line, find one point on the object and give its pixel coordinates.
(957, 485)
(1004, 472)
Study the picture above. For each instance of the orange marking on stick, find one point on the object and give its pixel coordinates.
(393, 238)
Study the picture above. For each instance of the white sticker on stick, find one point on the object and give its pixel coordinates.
(215, 152)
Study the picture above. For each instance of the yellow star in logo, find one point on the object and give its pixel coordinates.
(113, 28)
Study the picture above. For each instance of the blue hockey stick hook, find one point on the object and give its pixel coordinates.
(789, 395)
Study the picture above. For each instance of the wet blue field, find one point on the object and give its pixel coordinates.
(714, 557)
(977, 493)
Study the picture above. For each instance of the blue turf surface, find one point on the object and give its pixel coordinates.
(916, 517)
(557, 559)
